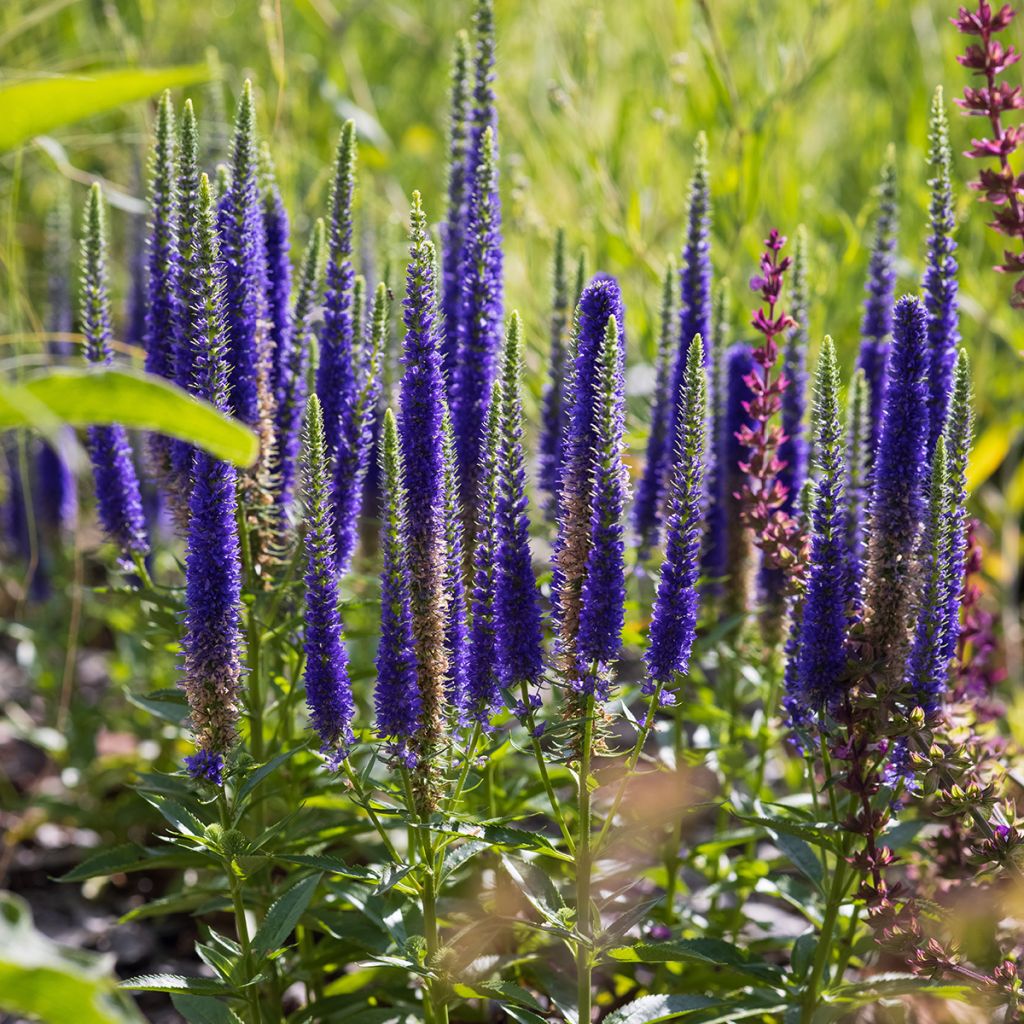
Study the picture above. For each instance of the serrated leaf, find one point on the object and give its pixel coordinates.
(709, 951)
(802, 857)
(332, 865)
(259, 774)
(283, 916)
(176, 983)
(648, 1009)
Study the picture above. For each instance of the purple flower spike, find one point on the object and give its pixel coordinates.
(397, 695)
(118, 499)
(940, 276)
(480, 314)
(674, 618)
(328, 689)
(876, 327)
(898, 493)
(213, 578)
(516, 604)
(244, 256)
(820, 654)
(457, 636)
(730, 453)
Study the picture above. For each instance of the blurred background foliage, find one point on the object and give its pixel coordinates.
(600, 102)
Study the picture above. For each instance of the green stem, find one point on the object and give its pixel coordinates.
(823, 952)
(764, 741)
(241, 923)
(538, 753)
(474, 739)
(672, 861)
(365, 803)
(584, 868)
(631, 763)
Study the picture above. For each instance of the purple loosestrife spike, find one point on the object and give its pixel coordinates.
(674, 617)
(213, 637)
(164, 315)
(352, 459)
(876, 327)
(553, 401)
(599, 300)
(715, 543)
(897, 500)
(940, 277)
(118, 499)
(295, 383)
(279, 275)
(959, 433)
(397, 695)
(659, 460)
(328, 689)
(694, 276)
(602, 600)
(739, 366)
(516, 604)
(858, 434)
(927, 670)
(820, 649)
(421, 421)
(793, 450)
(483, 686)
(480, 314)
(57, 488)
(452, 231)
(244, 256)
(457, 635)
(336, 373)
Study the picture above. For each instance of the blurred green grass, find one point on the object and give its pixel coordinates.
(599, 103)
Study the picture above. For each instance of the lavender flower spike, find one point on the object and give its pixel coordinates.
(452, 232)
(118, 499)
(243, 251)
(821, 648)
(336, 373)
(660, 447)
(959, 434)
(516, 603)
(480, 314)
(397, 695)
(897, 497)
(552, 403)
(291, 399)
(927, 669)
(940, 277)
(279, 277)
(421, 422)
(164, 313)
(213, 577)
(352, 458)
(483, 687)
(876, 327)
(730, 453)
(695, 301)
(602, 601)
(674, 618)
(328, 689)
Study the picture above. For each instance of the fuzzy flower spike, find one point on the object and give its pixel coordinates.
(118, 499)
(328, 689)
(213, 638)
(674, 618)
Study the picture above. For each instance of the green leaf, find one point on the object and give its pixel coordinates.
(333, 865)
(204, 1010)
(45, 981)
(143, 401)
(257, 776)
(648, 1009)
(176, 983)
(802, 856)
(888, 986)
(709, 951)
(39, 105)
(108, 862)
(284, 915)
(816, 833)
